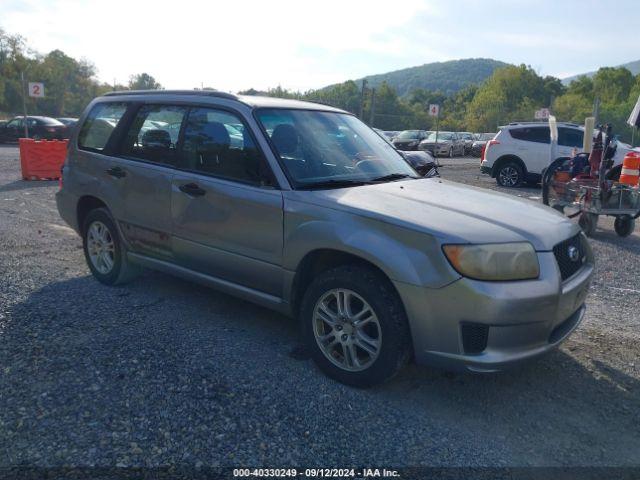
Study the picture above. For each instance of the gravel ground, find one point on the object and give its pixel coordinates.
(163, 372)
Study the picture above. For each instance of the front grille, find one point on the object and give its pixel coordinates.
(474, 337)
(567, 266)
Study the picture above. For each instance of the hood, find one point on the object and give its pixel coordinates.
(440, 142)
(451, 211)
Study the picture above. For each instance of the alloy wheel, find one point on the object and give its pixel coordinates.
(347, 330)
(101, 247)
(509, 176)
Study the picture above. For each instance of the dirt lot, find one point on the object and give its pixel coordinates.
(165, 372)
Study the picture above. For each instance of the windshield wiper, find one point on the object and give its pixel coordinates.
(333, 183)
(392, 176)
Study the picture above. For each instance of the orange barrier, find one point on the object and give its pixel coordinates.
(42, 159)
(630, 169)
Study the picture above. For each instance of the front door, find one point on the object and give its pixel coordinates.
(14, 130)
(227, 218)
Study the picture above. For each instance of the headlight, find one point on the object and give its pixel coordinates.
(495, 261)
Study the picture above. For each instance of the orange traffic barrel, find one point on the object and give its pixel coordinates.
(630, 169)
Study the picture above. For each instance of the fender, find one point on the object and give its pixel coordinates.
(402, 254)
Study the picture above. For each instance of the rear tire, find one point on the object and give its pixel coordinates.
(509, 175)
(624, 225)
(334, 339)
(104, 251)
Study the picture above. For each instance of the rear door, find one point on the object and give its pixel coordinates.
(532, 146)
(143, 168)
(227, 218)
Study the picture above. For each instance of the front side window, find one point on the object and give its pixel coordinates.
(153, 134)
(217, 143)
(321, 149)
(15, 123)
(99, 125)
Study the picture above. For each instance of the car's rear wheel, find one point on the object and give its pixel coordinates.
(354, 326)
(509, 175)
(103, 249)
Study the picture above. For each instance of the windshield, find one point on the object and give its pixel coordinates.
(409, 134)
(325, 148)
(441, 136)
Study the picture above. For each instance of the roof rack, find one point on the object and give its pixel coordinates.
(541, 122)
(207, 93)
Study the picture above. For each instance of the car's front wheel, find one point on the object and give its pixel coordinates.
(354, 325)
(103, 249)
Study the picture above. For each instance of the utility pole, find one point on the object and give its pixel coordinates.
(596, 109)
(24, 105)
(362, 93)
(373, 107)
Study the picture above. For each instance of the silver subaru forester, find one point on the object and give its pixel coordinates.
(302, 208)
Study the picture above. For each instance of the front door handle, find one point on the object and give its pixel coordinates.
(192, 189)
(116, 172)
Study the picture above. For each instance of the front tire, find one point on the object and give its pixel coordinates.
(103, 249)
(588, 223)
(355, 327)
(509, 175)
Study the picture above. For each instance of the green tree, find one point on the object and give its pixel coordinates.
(143, 81)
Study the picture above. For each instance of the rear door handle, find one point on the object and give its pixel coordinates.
(116, 172)
(192, 189)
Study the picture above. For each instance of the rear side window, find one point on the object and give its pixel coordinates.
(153, 134)
(217, 143)
(99, 125)
(570, 137)
(532, 134)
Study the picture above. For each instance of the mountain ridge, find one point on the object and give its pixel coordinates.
(633, 67)
(448, 77)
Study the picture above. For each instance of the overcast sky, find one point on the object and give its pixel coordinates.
(236, 44)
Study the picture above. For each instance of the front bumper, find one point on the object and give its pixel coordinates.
(440, 150)
(522, 320)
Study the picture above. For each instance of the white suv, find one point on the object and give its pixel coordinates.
(520, 151)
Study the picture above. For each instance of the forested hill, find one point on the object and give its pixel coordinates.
(633, 67)
(446, 77)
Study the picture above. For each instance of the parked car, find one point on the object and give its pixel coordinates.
(409, 139)
(479, 143)
(468, 139)
(317, 217)
(443, 144)
(422, 162)
(520, 151)
(45, 128)
(68, 121)
(391, 134)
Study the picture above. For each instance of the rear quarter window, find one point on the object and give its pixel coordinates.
(532, 134)
(99, 125)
